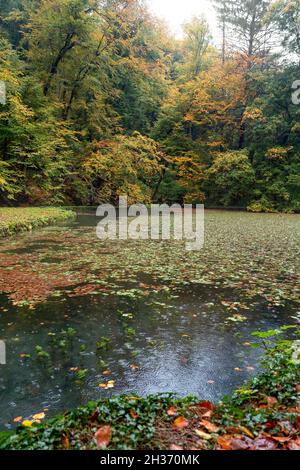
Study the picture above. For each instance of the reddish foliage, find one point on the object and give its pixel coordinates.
(103, 437)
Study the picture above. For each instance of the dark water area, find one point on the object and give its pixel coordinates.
(184, 343)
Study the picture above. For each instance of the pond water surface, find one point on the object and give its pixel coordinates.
(87, 319)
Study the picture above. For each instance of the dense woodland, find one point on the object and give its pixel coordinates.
(102, 101)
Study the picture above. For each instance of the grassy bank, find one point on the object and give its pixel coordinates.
(262, 415)
(20, 219)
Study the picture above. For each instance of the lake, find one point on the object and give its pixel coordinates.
(84, 318)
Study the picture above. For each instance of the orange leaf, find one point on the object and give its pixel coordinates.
(180, 423)
(18, 419)
(281, 439)
(133, 414)
(66, 442)
(224, 442)
(103, 437)
(172, 411)
(175, 447)
(209, 426)
(272, 401)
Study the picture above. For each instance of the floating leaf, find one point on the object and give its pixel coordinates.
(28, 423)
(18, 419)
(39, 416)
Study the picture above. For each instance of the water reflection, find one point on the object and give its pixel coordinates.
(184, 345)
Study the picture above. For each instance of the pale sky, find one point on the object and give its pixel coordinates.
(176, 12)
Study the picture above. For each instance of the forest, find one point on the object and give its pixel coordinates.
(102, 100)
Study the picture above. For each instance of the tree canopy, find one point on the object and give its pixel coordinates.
(102, 100)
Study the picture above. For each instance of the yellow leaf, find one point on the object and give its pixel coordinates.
(39, 416)
(203, 435)
(246, 431)
(27, 423)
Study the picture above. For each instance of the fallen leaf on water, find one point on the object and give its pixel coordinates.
(203, 435)
(18, 419)
(209, 426)
(103, 437)
(110, 384)
(134, 367)
(106, 372)
(180, 423)
(39, 416)
(210, 382)
(172, 411)
(27, 423)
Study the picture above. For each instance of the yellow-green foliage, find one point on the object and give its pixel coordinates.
(19, 219)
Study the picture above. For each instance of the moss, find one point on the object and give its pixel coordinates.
(20, 219)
